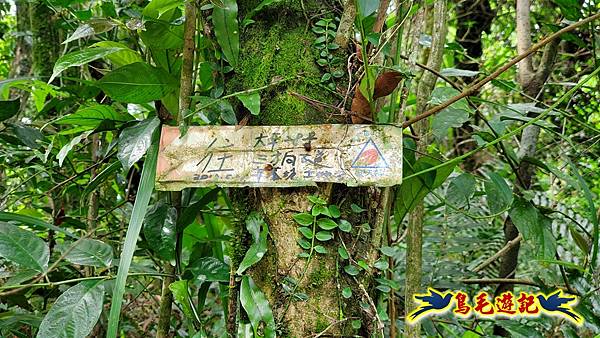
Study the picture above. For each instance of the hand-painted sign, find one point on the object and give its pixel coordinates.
(279, 156)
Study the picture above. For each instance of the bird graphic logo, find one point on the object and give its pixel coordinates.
(557, 304)
(432, 302)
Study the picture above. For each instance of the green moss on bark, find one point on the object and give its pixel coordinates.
(278, 50)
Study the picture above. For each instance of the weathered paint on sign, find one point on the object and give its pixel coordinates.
(279, 156)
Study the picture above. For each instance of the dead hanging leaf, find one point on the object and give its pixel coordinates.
(386, 83)
(360, 107)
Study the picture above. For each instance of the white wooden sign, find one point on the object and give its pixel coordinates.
(279, 156)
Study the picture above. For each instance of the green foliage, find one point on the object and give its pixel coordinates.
(257, 308)
(259, 230)
(125, 85)
(227, 31)
(88, 252)
(135, 141)
(160, 230)
(325, 30)
(75, 312)
(23, 247)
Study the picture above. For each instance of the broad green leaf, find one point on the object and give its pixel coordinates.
(323, 236)
(140, 206)
(161, 36)
(344, 225)
(320, 249)
(356, 209)
(160, 230)
(306, 232)
(414, 189)
(134, 141)
(251, 101)
(226, 112)
(351, 270)
(319, 209)
(89, 252)
(499, 195)
(28, 136)
(526, 218)
(259, 247)
(79, 58)
(90, 28)
(92, 116)
(227, 31)
(75, 312)
(135, 83)
(334, 211)
(208, 269)
(571, 9)
(366, 7)
(346, 292)
(64, 151)
(257, 308)
(381, 264)
(451, 117)
(157, 7)
(326, 224)
(460, 190)
(9, 109)
(34, 222)
(343, 252)
(121, 58)
(180, 294)
(23, 247)
(303, 218)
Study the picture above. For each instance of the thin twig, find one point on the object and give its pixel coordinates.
(473, 89)
(498, 254)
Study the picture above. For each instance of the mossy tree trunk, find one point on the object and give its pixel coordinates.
(45, 39)
(279, 45)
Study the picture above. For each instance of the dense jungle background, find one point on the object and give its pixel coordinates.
(499, 103)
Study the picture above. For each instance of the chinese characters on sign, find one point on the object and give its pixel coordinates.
(279, 156)
(506, 305)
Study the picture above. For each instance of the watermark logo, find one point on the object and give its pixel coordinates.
(506, 305)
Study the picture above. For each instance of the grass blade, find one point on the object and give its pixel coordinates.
(133, 230)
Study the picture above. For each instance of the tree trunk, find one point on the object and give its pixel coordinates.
(280, 45)
(532, 83)
(45, 40)
(434, 21)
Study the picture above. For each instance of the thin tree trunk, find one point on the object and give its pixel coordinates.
(185, 91)
(45, 39)
(532, 83)
(414, 238)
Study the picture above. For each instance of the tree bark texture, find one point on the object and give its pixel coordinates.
(414, 239)
(279, 45)
(532, 83)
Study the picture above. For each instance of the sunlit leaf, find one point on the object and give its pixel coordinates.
(208, 269)
(160, 230)
(89, 252)
(135, 83)
(23, 247)
(227, 31)
(79, 58)
(257, 307)
(75, 312)
(259, 246)
(134, 141)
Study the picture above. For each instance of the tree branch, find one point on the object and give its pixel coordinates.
(475, 87)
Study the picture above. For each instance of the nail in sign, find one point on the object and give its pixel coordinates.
(279, 156)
